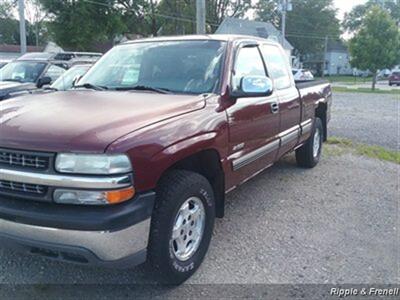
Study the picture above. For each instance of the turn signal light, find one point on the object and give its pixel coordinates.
(118, 196)
(85, 197)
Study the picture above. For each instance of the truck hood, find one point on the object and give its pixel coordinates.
(84, 120)
(9, 87)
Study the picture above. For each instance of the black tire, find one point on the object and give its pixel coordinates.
(173, 190)
(305, 154)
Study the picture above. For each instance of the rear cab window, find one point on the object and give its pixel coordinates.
(277, 66)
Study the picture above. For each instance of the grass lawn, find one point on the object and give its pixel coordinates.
(348, 79)
(364, 90)
(346, 145)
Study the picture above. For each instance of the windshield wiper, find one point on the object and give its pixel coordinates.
(13, 80)
(49, 88)
(91, 86)
(144, 88)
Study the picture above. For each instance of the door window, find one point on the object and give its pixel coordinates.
(248, 62)
(277, 66)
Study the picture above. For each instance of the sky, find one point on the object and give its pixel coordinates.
(344, 6)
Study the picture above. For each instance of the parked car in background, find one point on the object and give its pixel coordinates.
(133, 164)
(3, 63)
(62, 56)
(29, 72)
(66, 80)
(394, 79)
(302, 75)
(77, 55)
(360, 73)
(384, 73)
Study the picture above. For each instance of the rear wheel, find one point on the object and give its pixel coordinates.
(182, 225)
(308, 155)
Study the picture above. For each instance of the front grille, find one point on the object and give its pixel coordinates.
(19, 159)
(25, 161)
(18, 187)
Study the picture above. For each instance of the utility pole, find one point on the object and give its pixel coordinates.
(285, 6)
(200, 16)
(22, 30)
(283, 21)
(324, 57)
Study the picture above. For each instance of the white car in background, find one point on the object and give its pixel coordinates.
(3, 62)
(302, 75)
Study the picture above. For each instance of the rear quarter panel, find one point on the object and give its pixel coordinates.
(312, 95)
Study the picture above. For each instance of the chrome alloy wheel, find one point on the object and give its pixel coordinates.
(317, 142)
(188, 229)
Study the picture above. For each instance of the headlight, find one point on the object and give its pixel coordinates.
(95, 164)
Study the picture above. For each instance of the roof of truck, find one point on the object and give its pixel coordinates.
(216, 37)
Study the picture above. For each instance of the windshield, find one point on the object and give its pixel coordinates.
(64, 82)
(22, 71)
(191, 67)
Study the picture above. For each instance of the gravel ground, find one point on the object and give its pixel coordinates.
(334, 224)
(287, 225)
(367, 118)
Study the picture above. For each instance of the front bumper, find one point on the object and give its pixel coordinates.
(115, 236)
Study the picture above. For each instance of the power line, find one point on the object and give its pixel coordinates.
(180, 18)
(190, 20)
(310, 36)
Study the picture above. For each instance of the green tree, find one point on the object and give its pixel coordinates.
(307, 24)
(36, 22)
(179, 16)
(138, 16)
(80, 24)
(9, 26)
(353, 20)
(267, 11)
(377, 43)
(9, 31)
(217, 10)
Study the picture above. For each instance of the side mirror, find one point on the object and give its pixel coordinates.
(43, 81)
(254, 86)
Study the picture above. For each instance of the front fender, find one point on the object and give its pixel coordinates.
(156, 148)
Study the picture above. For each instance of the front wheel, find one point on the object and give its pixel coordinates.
(182, 225)
(308, 155)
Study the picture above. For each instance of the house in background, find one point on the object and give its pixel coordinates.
(337, 59)
(255, 28)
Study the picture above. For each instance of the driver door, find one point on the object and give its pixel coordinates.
(253, 122)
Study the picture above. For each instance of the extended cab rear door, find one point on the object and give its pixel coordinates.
(289, 99)
(253, 125)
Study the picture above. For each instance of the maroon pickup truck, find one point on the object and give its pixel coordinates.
(135, 162)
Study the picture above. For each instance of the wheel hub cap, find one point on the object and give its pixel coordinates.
(188, 229)
(317, 142)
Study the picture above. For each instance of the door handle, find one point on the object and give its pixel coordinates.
(274, 107)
